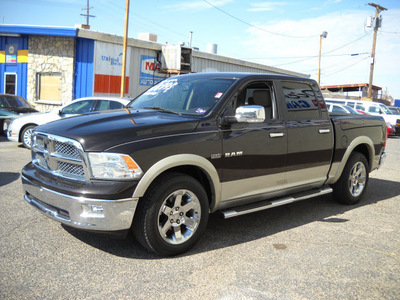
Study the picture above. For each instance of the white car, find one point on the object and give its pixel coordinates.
(340, 109)
(21, 128)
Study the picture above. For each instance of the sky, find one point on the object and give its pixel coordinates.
(283, 34)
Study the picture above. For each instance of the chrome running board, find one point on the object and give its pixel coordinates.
(253, 207)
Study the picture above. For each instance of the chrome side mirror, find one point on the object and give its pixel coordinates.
(250, 114)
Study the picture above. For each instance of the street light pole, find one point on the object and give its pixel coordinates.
(323, 35)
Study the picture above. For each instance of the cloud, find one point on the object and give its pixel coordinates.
(266, 6)
(196, 5)
(346, 31)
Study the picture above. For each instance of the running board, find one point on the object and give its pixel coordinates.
(253, 207)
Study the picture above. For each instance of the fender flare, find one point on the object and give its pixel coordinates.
(177, 161)
(336, 171)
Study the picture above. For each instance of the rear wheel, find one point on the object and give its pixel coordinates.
(350, 188)
(26, 136)
(172, 215)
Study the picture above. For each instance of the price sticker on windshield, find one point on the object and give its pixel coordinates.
(218, 95)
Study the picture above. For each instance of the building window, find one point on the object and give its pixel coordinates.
(49, 86)
(10, 83)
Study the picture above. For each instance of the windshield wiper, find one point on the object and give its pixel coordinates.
(160, 109)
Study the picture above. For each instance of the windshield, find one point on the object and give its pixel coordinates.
(385, 109)
(13, 102)
(192, 96)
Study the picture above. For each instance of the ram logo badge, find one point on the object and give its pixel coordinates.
(234, 154)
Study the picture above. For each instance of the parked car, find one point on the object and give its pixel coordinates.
(196, 144)
(5, 119)
(21, 128)
(15, 104)
(372, 108)
(341, 109)
(394, 109)
(390, 129)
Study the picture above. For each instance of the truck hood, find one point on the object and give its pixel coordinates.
(100, 131)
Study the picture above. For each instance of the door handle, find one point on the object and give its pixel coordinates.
(276, 134)
(322, 131)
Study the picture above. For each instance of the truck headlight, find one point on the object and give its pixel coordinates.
(113, 166)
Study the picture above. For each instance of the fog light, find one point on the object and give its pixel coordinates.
(92, 211)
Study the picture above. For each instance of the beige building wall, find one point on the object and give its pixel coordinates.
(51, 55)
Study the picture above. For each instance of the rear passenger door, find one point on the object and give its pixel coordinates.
(310, 135)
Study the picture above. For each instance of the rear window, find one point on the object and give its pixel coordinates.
(301, 101)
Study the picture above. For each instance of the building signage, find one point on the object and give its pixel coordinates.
(11, 54)
(108, 68)
(149, 68)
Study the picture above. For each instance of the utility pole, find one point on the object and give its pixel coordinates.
(323, 35)
(125, 47)
(378, 9)
(87, 15)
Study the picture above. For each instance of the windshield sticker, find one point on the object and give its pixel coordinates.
(162, 87)
(218, 95)
(201, 111)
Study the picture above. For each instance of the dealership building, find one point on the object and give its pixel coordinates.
(50, 66)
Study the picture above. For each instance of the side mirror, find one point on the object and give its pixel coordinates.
(246, 114)
(250, 114)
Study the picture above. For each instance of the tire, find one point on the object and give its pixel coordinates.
(351, 186)
(26, 136)
(172, 215)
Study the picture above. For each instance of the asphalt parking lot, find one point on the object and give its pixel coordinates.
(315, 249)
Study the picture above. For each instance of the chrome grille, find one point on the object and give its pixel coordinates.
(66, 149)
(59, 156)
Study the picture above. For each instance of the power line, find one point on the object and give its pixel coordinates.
(259, 28)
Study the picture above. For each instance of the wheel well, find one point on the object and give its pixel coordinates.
(364, 150)
(198, 174)
(22, 130)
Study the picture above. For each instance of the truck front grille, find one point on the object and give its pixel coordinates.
(59, 156)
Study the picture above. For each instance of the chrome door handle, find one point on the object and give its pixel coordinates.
(324, 131)
(276, 134)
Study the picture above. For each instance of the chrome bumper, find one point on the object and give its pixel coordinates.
(80, 212)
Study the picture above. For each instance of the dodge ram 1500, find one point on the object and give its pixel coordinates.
(197, 144)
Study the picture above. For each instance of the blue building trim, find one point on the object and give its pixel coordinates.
(38, 30)
(83, 81)
(20, 69)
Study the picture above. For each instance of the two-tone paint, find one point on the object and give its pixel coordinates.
(237, 163)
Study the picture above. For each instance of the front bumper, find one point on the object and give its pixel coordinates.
(81, 212)
(10, 136)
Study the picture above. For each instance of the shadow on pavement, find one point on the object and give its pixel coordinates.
(222, 233)
(8, 177)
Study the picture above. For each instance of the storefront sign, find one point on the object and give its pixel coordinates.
(149, 67)
(11, 54)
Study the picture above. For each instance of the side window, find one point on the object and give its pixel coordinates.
(351, 104)
(301, 101)
(338, 110)
(115, 105)
(102, 105)
(374, 109)
(259, 93)
(80, 107)
(360, 107)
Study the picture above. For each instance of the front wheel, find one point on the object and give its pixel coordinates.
(350, 187)
(171, 217)
(26, 136)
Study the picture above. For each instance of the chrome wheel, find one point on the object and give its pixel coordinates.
(357, 179)
(179, 217)
(27, 136)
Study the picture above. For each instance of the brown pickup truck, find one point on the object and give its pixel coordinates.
(197, 144)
